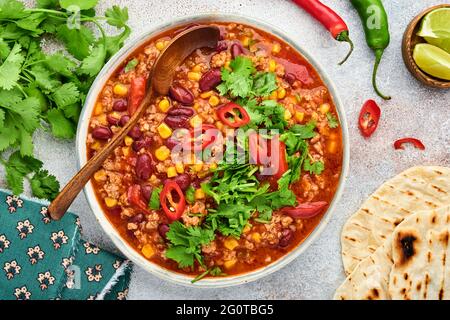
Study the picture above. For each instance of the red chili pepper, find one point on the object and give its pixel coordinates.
(416, 142)
(305, 210)
(176, 207)
(238, 114)
(136, 198)
(137, 93)
(329, 19)
(205, 134)
(369, 118)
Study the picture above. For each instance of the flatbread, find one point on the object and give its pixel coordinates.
(421, 258)
(393, 272)
(416, 189)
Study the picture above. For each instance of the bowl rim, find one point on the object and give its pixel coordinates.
(109, 229)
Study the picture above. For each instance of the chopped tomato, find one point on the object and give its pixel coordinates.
(136, 198)
(172, 204)
(305, 210)
(369, 118)
(233, 115)
(138, 89)
(415, 142)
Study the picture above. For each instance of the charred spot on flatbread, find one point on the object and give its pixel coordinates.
(405, 246)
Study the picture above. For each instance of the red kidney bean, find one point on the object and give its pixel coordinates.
(183, 181)
(115, 211)
(171, 143)
(290, 78)
(102, 133)
(112, 120)
(137, 218)
(222, 46)
(135, 132)
(181, 111)
(177, 122)
(123, 120)
(163, 229)
(210, 80)
(236, 50)
(144, 168)
(181, 94)
(286, 237)
(144, 142)
(120, 105)
(146, 191)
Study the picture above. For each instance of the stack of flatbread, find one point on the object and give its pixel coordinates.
(397, 245)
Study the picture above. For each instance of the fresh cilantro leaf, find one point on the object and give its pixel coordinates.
(214, 271)
(32, 22)
(154, 202)
(314, 167)
(44, 185)
(4, 49)
(332, 120)
(81, 4)
(93, 63)
(11, 67)
(66, 95)
(60, 64)
(190, 195)
(33, 91)
(17, 168)
(12, 9)
(78, 41)
(265, 84)
(237, 82)
(117, 17)
(48, 4)
(44, 78)
(131, 65)
(60, 125)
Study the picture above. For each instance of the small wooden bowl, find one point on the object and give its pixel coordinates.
(410, 39)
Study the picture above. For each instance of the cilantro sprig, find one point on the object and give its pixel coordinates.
(40, 89)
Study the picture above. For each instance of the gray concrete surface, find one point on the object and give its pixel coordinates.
(415, 110)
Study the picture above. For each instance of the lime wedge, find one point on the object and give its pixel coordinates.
(441, 43)
(432, 60)
(436, 24)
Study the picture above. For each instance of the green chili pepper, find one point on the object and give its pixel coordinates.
(376, 28)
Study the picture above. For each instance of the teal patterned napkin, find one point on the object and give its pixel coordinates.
(45, 259)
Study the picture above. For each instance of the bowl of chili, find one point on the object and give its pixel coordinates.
(176, 194)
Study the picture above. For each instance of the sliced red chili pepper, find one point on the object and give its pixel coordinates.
(173, 208)
(239, 117)
(415, 142)
(369, 118)
(207, 134)
(305, 210)
(136, 198)
(137, 93)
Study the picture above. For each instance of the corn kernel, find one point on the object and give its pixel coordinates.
(102, 119)
(164, 130)
(227, 65)
(299, 116)
(273, 95)
(207, 94)
(229, 264)
(247, 228)
(219, 125)
(195, 121)
(324, 108)
(162, 153)
(126, 151)
(128, 141)
(272, 65)
(245, 41)
(194, 76)
(230, 243)
(171, 172)
(256, 236)
(198, 166)
(281, 93)
(213, 166)
(179, 167)
(197, 68)
(96, 146)
(160, 45)
(120, 90)
(147, 251)
(276, 48)
(287, 115)
(100, 175)
(110, 202)
(98, 109)
(164, 105)
(214, 101)
(199, 194)
(196, 106)
(332, 147)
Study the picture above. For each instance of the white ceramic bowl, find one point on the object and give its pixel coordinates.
(124, 247)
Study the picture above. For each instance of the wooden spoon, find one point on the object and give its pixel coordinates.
(160, 80)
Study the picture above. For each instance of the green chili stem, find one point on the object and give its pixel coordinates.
(378, 55)
(345, 37)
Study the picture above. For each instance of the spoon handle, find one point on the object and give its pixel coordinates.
(62, 202)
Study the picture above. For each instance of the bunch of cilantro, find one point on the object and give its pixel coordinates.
(47, 90)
